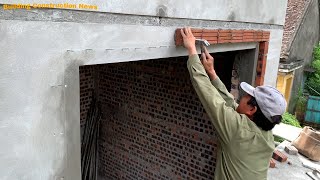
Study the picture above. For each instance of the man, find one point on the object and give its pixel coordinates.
(246, 140)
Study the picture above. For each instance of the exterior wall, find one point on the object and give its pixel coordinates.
(41, 51)
(307, 36)
(232, 10)
(284, 84)
(273, 58)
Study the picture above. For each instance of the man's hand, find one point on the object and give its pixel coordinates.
(208, 63)
(189, 40)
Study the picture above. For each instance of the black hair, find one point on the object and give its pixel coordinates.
(260, 119)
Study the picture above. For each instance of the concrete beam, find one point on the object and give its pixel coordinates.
(91, 56)
(220, 10)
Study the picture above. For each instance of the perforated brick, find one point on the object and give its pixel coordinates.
(279, 156)
(220, 36)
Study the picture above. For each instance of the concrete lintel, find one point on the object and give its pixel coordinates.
(91, 56)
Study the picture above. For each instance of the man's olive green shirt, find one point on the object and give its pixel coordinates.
(245, 149)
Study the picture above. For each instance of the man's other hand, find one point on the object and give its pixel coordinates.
(208, 63)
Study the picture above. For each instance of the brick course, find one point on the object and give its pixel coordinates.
(221, 36)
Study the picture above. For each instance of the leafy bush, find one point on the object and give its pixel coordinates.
(313, 82)
(290, 119)
(278, 139)
(301, 101)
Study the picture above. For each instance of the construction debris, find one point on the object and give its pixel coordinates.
(291, 150)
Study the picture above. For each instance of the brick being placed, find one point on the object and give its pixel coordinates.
(220, 36)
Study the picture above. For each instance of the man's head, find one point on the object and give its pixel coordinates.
(264, 105)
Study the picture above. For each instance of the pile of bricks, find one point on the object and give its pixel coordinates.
(279, 156)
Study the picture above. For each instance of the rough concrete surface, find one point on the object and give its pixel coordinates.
(273, 57)
(64, 15)
(233, 10)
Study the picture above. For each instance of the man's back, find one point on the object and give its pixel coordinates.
(247, 155)
(245, 150)
(244, 129)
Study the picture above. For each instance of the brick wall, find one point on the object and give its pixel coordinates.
(86, 74)
(154, 126)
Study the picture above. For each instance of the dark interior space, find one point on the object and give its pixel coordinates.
(223, 63)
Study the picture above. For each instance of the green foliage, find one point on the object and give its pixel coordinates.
(301, 101)
(290, 119)
(316, 65)
(278, 139)
(313, 82)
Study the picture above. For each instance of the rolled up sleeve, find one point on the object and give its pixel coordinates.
(217, 83)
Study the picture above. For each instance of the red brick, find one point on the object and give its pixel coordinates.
(205, 34)
(259, 81)
(272, 163)
(236, 41)
(279, 156)
(211, 38)
(213, 42)
(222, 41)
(226, 35)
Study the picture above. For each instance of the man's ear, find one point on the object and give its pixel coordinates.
(252, 110)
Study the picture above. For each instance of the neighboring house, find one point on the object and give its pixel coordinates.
(301, 34)
(124, 53)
